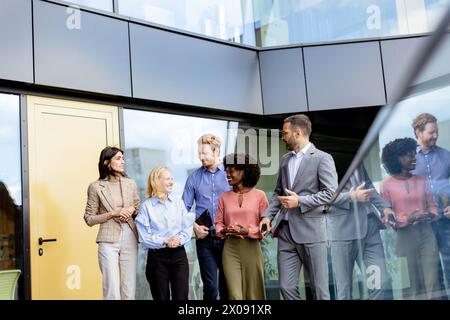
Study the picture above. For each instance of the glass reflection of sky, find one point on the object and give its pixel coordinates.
(10, 172)
(175, 135)
(96, 4)
(399, 125)
(282, 22)
(223, 19)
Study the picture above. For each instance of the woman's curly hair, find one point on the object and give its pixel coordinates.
(244, 162)
(395, 149)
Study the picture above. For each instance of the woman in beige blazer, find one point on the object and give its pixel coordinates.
(113, 201)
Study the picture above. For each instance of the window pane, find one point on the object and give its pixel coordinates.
(106, 5)
(10, 181)
(298, 21)
(409, 166)
(230, 20)
(153, 139)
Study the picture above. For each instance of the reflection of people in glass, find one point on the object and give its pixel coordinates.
(164, 226)
(112, 202)
(354, 232)
(204, 187)
(237, 221)
(306, 183)
(433, 162)
(411, 199)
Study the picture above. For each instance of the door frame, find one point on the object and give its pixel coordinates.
(25, 281)
(26, 101)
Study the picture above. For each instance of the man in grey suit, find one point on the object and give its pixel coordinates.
(307, 180)
(353, 227)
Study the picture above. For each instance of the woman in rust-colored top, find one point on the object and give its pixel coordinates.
(238, 216)
(411, 200)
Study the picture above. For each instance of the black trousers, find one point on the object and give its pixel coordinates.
(168, 267)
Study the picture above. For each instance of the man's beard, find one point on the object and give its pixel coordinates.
(290, 145)
(431, 143)
(207, 165)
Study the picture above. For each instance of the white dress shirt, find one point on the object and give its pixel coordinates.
(293, 165)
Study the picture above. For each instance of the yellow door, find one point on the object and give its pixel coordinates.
(65, 139)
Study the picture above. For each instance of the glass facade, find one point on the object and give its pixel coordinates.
(10, 182)
(266, 23)
(230, 20)
(106, 5)
(395, 206)
(154, 139)
(282, 22)
(409, 166)
(171, 140)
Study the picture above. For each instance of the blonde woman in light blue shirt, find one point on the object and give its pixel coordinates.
(164, 226)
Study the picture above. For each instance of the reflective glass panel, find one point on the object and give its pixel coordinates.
(230, 20)
(10, 181)
(398, 197)
(106, 5)
(280, 22)
(155, 139)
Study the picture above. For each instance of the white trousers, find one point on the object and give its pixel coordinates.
(118, 264)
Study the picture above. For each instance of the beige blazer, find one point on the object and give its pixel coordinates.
(100, 202)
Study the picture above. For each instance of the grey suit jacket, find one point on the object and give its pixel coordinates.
(315, 184)
(346, 219)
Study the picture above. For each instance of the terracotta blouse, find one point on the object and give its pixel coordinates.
(253, 206)
(406, 196)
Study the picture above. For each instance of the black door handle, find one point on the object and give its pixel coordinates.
(41, 241)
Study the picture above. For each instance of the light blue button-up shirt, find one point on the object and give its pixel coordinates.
(205, 187)
(158, 220)
(435, 166)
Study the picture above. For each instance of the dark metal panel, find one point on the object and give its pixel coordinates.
(25, 199)
(90, 53)
(344, 76)
(16, 44)
(283, 81)
(400, 54)
(181, 69)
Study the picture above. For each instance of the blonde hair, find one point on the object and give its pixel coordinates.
(210, 139)
(421, 121)
(152, 183)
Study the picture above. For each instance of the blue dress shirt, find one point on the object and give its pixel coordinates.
(435, 166)
(158, 220)
(205, 187)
